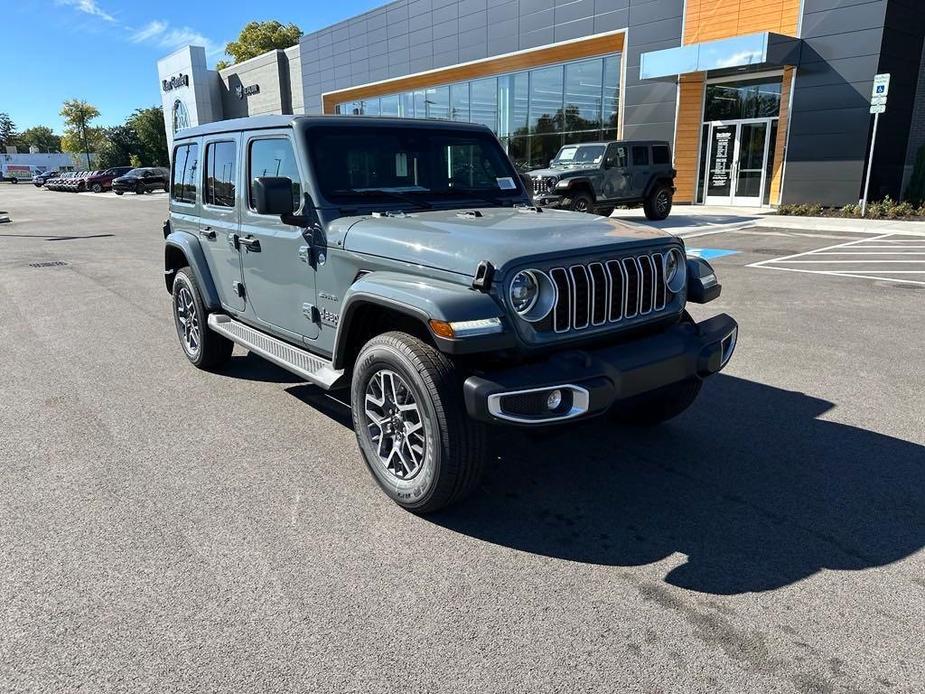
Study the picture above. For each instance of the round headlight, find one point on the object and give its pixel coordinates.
(532, 295)
(524, 291)
(552, 181)
(675, 270)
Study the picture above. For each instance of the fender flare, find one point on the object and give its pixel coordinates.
(419, 298)
(657, 181)
(191, 250)
(581, 182)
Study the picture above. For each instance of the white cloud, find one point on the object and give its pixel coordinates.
(148, 31)
(87, 7)
(159, 33)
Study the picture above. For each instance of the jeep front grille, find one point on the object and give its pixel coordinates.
(608, 292)
(541, 184)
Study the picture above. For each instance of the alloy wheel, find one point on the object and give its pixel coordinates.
(188, 321)
(394, 424)
(662, 201)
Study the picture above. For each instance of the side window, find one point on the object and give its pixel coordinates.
(640, 156)
(660, 155)
(220, 168)
(185, 166)
(274, 157)
(616, 156)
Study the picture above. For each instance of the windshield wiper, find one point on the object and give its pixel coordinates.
(378, 192)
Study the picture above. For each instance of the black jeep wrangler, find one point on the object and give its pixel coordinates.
(598, 176)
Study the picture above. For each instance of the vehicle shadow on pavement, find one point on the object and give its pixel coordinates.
(750, 485)
(252, 367)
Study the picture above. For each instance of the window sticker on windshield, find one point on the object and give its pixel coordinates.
(567, 153)
(506, 183)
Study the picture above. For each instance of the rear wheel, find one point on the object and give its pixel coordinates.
(97, 188)
(139, 189)
(411, 423)
(205, 349)
(658, 205)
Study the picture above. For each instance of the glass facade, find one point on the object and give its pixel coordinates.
(533, 112)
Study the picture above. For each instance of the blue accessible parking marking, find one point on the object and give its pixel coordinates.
(709, 253)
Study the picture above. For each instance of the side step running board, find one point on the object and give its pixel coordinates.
(299, 361)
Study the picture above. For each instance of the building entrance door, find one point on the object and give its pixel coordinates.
(737, 157)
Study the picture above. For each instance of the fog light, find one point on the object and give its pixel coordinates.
(554, 400)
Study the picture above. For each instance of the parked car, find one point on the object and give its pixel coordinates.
(403, 262)
(142, 180)
(99, 181)
(58, 182)
(41, 179)
(598, 176)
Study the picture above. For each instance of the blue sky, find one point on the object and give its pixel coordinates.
(105, 51)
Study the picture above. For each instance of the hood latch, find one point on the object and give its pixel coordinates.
(483, 276)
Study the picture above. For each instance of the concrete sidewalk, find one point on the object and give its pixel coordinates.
(686, 220)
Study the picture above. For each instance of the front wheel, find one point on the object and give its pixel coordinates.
(658, 205)
(97, 188)
(411, 423)
(139, 189)
(580, 202)
(205, 349)
(14, 181)
(118, 192)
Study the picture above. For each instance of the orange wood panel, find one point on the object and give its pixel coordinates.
(708, 20)
(574, 50)
(777, 173)
(687, 135)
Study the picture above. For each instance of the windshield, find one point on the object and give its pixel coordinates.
(579, 155)
(136, 172)
(419, 166)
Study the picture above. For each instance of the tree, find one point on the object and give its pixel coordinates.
(42, 137)
(259, 37)
(77, 115)
(148, 125)
(7, 131)
(120, 144)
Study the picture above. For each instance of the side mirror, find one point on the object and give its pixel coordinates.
(273, 195)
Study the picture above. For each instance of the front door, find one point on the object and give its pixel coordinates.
(737, 158)
(279, 282)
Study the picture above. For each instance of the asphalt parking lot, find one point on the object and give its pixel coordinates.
(164, 529)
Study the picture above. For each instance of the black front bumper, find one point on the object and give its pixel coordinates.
(598, 378)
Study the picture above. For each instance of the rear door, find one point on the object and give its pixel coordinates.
(219, 220)
(642, 170)
(279, 283)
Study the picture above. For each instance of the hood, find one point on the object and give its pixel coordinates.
(559, 173)
(125, 178)
(454, 241)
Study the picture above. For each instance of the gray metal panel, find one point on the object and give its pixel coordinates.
(840, 55)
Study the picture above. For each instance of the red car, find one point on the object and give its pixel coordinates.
(99, 181)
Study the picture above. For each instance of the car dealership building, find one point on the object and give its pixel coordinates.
(764, 101)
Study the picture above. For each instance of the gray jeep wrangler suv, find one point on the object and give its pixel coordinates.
(598, 176)
(402, 260)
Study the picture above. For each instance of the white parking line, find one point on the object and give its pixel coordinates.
(862, 258)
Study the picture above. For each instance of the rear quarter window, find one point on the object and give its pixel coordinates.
(660, 154)
(185, 170)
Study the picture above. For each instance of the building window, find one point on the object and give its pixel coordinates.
(180, 116)
(748, 99)
(533, 112)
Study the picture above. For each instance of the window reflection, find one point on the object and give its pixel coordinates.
(533, 112)
(749, 99)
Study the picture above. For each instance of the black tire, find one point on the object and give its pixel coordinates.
(213, 350)
(139, 189)
(453, 445)
(580, 201)
(14, 180)
(657, 205)
(606, 211)
(97, 188)
(659, 405)
(119, 192)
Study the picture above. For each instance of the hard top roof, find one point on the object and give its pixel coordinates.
(266, 122)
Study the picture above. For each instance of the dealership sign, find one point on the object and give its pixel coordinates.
(174, 82)
(249, 90)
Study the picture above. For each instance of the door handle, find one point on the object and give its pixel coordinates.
(250, 244)
(207, 232)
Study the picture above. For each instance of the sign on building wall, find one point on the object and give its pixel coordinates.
(175, 82)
